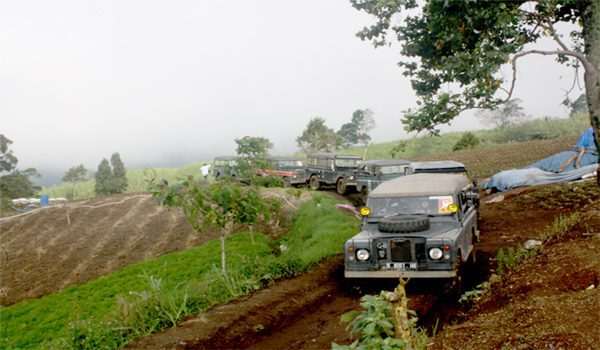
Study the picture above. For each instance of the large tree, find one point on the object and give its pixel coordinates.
(8, 161)
(252, 151)
(73, 176)
(463, 44)
(14, 183)
(317, 137)
(507, 114)
(357, 130)
(103, 178)
(119, 174)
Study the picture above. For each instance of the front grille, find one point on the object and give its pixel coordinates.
(400, 251)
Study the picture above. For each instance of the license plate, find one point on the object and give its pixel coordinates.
(400, 266)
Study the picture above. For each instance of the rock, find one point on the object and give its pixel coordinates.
(531, 244)
(590, 287)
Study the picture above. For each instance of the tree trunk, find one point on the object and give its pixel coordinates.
(591, 37)
(223, 262)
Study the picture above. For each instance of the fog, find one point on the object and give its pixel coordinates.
(165, 83)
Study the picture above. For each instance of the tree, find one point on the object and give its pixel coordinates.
(18, 184)
(579, 106)
(465, 43)
(14, 183)
(357, 130)
(219, 205)
(252, 151)
(119, 174)
(74, 175)
(317, 137)
(504, 115)
(8, 161)
(468, 140)
(103, 178)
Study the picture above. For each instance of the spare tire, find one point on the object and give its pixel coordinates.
(404, 224)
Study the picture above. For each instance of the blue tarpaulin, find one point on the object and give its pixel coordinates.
(554, 162)
(509, 179)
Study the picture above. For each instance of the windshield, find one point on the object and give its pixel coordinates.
(396, 169)
(346, 163)
(383, 207)
(289, 164)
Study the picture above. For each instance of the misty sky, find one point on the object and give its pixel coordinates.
(167, 82)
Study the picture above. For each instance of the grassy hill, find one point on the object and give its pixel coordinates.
(423, 146)
(136, 177)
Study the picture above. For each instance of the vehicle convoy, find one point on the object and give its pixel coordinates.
(417, 226)
(328, 169)
(224, 167)
(290, 169)
(372, 173)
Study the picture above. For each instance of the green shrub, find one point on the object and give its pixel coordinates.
(267, 181)
(468, 140)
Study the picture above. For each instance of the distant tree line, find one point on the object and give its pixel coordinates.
(111, 177)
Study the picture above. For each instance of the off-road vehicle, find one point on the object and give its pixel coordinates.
(224, 167)
(290, 169)
(416, 226)
(372, 173)
(328, 169)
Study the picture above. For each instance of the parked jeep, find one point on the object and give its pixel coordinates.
(328, 169)
(417, 226)
(225, 167)
(290, 169)
(372, 173)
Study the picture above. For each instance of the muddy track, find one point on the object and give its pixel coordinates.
(304, 312)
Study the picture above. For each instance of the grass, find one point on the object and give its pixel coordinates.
(88, 315)
(137, 180)
(508, 258)
(424, 146)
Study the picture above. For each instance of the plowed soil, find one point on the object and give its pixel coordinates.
(42, 253)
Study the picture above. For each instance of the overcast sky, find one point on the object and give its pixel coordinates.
(166, 82)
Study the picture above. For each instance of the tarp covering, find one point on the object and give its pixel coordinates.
(509, 179)
(554, 162)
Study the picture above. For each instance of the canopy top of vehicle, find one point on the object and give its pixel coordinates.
(385, 162)
(227, 158)
(419, 185)
(439, 166)
(282, 158)
(334, 156)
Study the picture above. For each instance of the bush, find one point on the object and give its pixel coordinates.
(267, 181)
(468, 140)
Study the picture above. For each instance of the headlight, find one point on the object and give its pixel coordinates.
(436, 253)
(362, 255)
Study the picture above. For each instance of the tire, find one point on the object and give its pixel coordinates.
(404, 224)
(340, 187)
(455, 287)
(314, 183)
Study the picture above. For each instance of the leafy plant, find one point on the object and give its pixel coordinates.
(384, 323)
(221, 205)
(468, 140)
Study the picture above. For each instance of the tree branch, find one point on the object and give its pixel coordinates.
(586, 64)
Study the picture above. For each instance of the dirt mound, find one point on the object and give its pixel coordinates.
(549, 302)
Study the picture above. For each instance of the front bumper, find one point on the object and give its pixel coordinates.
(399, 274)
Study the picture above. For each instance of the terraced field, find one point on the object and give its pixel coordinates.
(42, 252)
